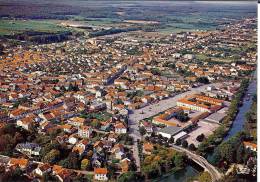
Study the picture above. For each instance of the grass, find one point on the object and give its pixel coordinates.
(9, 27)
(201, 57)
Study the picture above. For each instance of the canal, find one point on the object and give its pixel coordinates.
(240, 119)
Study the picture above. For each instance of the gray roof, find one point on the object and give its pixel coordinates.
(172, 130)
(216, 117)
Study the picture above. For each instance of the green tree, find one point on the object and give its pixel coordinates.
(184, 144)
(179, 160)
(95, 123)
(142, 130)
(204, 177)
(52, 157)
(178, 142)
(85, 164)
(127, 177)
(192, 147)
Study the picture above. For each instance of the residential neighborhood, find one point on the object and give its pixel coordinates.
(129, 104)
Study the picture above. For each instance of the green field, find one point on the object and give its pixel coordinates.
(10, 27)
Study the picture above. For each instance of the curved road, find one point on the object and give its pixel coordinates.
(215, 174)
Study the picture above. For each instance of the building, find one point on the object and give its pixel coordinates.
(250, 145)
(28, 149)
(76, 121)
(200, 103)
(164, 118)
(43, 169)
(169, 131)
(120, 128)
(215, 117)
(100, 174)
(22, 163)
(85, 131)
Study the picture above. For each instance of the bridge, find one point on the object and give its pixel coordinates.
(214, 173)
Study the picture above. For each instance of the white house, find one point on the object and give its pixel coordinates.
(100, 174)
(85, 131)
(120, 128)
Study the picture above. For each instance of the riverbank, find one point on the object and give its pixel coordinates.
(238, 123)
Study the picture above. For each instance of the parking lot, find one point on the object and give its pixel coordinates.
(204, 127)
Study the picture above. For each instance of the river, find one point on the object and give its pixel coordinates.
(179, 176)
(239, 121)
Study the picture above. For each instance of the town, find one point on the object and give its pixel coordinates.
(109, 107)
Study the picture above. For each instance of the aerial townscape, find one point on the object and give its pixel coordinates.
(128, 91)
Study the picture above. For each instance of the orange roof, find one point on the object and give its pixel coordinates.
(78, 120)
(120, 125)
(20, 162)
(250, 144)
(100, 170)
(162, 121)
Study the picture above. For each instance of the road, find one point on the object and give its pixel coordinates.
(153, 109)
(215, 174)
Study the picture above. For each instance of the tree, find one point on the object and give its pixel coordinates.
(240, 153)
(89, 153)
(203, 79)
(52, 157)
(127, 177)
(48, 147)
(200, 137)
(85, 164)
(178, 142)
(184, 144)
(204, 177)
(142, 130)
(95, 123)
(178, 160)
(171, 140)
(73, 159)
(192, 147)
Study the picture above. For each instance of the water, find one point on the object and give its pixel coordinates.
(240, 118)
(180, 176)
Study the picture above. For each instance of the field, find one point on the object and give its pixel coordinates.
(173, 16)
(10, 27)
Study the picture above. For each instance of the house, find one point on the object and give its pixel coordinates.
(20, 162)
(98, 106)
(112, 137)
(76, 121)
(68, 128)
(73, 139)
(81, 146)
(100, 174)
(250, 145)
(125, 165)
(28, 149)
(43, 169)
(45, 125)
(118, 151)
(147, 126)
(61, 173)
(120, 128)
(98, 146)
(26, 123)
(85, 131)
(96, 160)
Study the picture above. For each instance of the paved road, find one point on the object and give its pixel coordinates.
(152, 110)
(215, 174)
